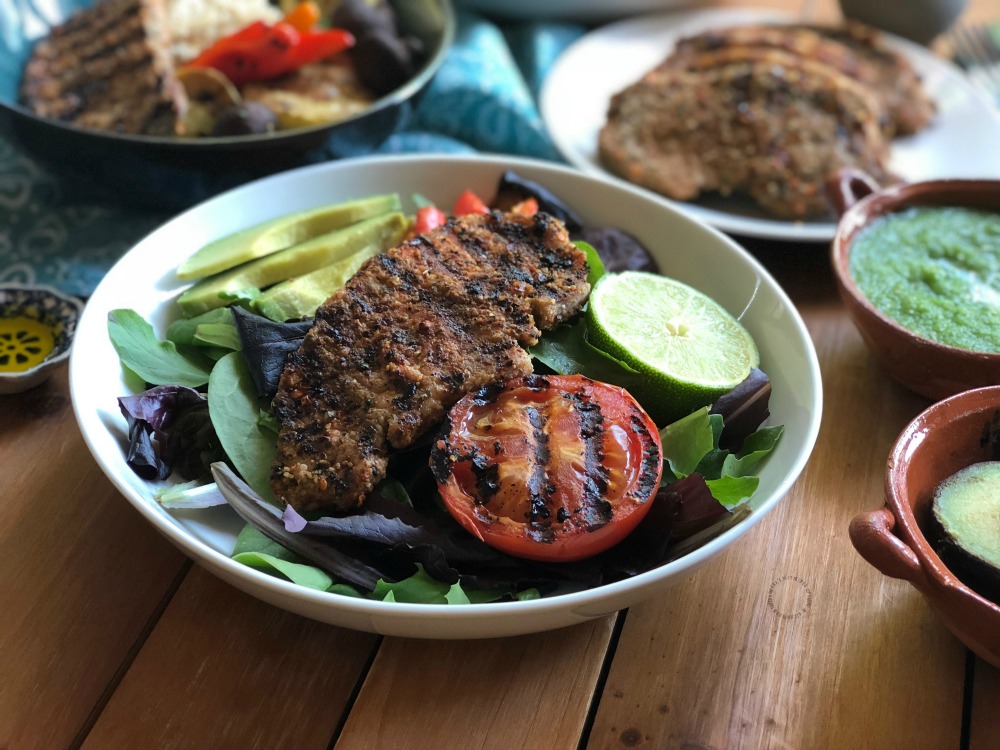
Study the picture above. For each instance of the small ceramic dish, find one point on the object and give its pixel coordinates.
(37, 324)
(926, 367)
(944, 439)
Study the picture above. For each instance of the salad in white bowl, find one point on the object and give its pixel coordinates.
(468, 582)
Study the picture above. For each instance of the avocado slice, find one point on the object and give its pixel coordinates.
(965, 526)
(303, 258)
(281, 232)
(300, 297)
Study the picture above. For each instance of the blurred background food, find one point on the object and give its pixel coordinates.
(196, 68)
(768, 111)
(106, 96)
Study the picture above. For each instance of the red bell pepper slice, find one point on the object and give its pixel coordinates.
(261, 52)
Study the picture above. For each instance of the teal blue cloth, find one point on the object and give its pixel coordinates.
(482, 99)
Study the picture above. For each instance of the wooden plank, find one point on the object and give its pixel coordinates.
(83, 572)
(984, 729)
(225, 670)
(526, 692)
(790, 639)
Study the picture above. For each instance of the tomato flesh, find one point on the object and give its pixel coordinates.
(552, 468)
(469, 203)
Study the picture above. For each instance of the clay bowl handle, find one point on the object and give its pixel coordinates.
(847, 186)
(872, 536)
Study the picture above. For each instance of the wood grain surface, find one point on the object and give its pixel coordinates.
(112, 639)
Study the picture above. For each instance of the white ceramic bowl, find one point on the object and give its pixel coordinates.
(581, 11)
(144, 280)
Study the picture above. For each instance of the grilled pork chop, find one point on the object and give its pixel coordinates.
(855, 50)
(108, 67)
(414, 330)
(761, 122)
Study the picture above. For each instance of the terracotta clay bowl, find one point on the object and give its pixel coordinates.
(926, 367)
(948, 436)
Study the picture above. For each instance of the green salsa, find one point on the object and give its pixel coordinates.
(936, 272)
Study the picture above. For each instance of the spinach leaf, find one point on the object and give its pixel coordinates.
(731, 491)
(565, 350)
(594, 262)
(157, 362)
(219, 335)
(182, 330)
(756, 448)
(419, 588)
(304, 575)
(686, 442)
(235, 411)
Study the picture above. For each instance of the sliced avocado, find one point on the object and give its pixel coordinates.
(291, 262)
(965, 526)
(281, 232)
(299, 297)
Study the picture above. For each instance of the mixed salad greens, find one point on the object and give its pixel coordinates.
(205, 418)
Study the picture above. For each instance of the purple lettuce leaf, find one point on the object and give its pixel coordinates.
(168, 428)
(266, 346)
(743, 409)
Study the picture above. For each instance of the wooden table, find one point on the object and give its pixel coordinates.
(112, 639)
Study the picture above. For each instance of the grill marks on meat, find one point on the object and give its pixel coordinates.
(766, 124)
(107, 68)
(412, 332)
(853, 49)
(768, 111)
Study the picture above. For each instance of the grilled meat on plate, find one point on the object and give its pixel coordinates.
(761, 122)
(415, 329)
(108, 68)
(855, 50)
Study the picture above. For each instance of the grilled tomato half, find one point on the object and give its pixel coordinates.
(551, 468)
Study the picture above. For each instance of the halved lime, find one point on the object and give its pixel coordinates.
(690, 347)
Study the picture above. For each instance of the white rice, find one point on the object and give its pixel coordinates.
(195, 24)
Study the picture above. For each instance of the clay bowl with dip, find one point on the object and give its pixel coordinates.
(937, 364)
(900, 539)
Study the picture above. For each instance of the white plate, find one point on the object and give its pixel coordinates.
(583, 11)
(144, 280)
(961, 142)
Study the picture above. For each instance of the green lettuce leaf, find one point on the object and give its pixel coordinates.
(155, 361)
(236, 410)
(565, 350)
(304, 575)
(731, 491)
(686, 442)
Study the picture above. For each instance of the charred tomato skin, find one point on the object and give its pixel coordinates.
(553, 468)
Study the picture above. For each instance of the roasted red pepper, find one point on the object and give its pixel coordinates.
(261, 51)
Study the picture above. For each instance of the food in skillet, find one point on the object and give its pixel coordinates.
(556, 475)
(765, 111)
(194, 68)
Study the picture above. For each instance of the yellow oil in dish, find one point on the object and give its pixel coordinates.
(24, 343)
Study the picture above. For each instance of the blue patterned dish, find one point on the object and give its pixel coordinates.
(171, 173)
(37, 324)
